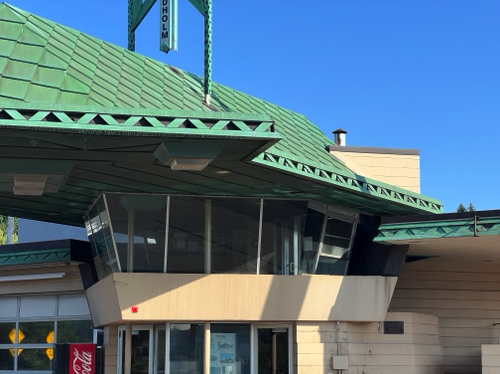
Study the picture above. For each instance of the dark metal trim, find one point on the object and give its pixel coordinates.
(392, 151)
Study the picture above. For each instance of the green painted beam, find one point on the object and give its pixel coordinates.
(137, 10)
(467, 227)
(208, 50)
(34, 257)
(141, 10)
(199, 5)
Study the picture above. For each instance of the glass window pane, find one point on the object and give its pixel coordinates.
(6, 359)
(7, 332)
(140, 352)
(337, 238)
(335, 247)
(336, 243)
(9, 307)
(272, 347)
(38, 306)
(119, 220)
(74, 331)
(186, 348)
(100, 243)
(36, 332)
(312, 235)
(142, 218)
(229, 349)
(332, 266)
(160, 350)
(186, 235)
(338, 228)
(73, 305)
(106, 231)
(282, 236)
(34, 359)
(235, 235)
(89, 226)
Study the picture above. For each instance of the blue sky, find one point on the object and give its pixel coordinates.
(404, 74)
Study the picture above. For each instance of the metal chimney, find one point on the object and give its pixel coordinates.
(339, 136)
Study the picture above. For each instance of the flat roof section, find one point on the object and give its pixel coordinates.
(381, 150)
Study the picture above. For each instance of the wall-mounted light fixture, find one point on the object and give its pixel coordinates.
(29, 184)
(192, 156)
(188, 163)
(33, 177)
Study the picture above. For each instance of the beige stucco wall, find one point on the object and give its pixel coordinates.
(466, 298)
(110, 349)
(368, 349)
(397, 169)
(490, 358)
(236, 297)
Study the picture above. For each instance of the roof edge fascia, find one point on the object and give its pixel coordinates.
(446, 225)
(137, 122)
(354, 183)
(40, 106)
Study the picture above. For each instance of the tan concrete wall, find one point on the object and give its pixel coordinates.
(236, 297)
(71, 282)
(369, 350)
(396, 169)
(490, 359)
(110, 349)
(465, 297)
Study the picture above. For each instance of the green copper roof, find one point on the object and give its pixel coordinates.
(119, 106)
(41, 60)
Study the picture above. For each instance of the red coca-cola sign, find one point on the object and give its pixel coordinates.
(82, 358)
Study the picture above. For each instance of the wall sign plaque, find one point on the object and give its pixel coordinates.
(394, 327)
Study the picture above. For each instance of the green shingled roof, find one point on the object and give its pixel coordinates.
(42, 61)
(56, 79)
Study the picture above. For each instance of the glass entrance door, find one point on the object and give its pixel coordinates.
(273, 350)
(141, 350)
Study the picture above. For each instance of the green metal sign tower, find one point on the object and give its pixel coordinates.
(138, 9)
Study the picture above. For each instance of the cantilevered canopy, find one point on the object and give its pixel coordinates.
(82, 116)
(471, 237)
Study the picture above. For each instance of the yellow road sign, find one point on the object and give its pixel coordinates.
(12, 336)
(50, 353)
(50, 337)
(19, 350)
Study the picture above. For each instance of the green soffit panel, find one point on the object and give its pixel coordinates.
(54, 78)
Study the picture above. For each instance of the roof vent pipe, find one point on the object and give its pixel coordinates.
(339, 136)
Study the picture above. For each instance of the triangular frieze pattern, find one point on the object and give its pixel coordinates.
(44, 117)
(358, 184)
(434, 230)
(35, 257)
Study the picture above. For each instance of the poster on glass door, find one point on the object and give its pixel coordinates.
(222, 353)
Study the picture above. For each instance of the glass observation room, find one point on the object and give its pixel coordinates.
(210, 235)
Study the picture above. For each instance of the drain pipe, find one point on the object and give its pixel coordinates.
(337, 337)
